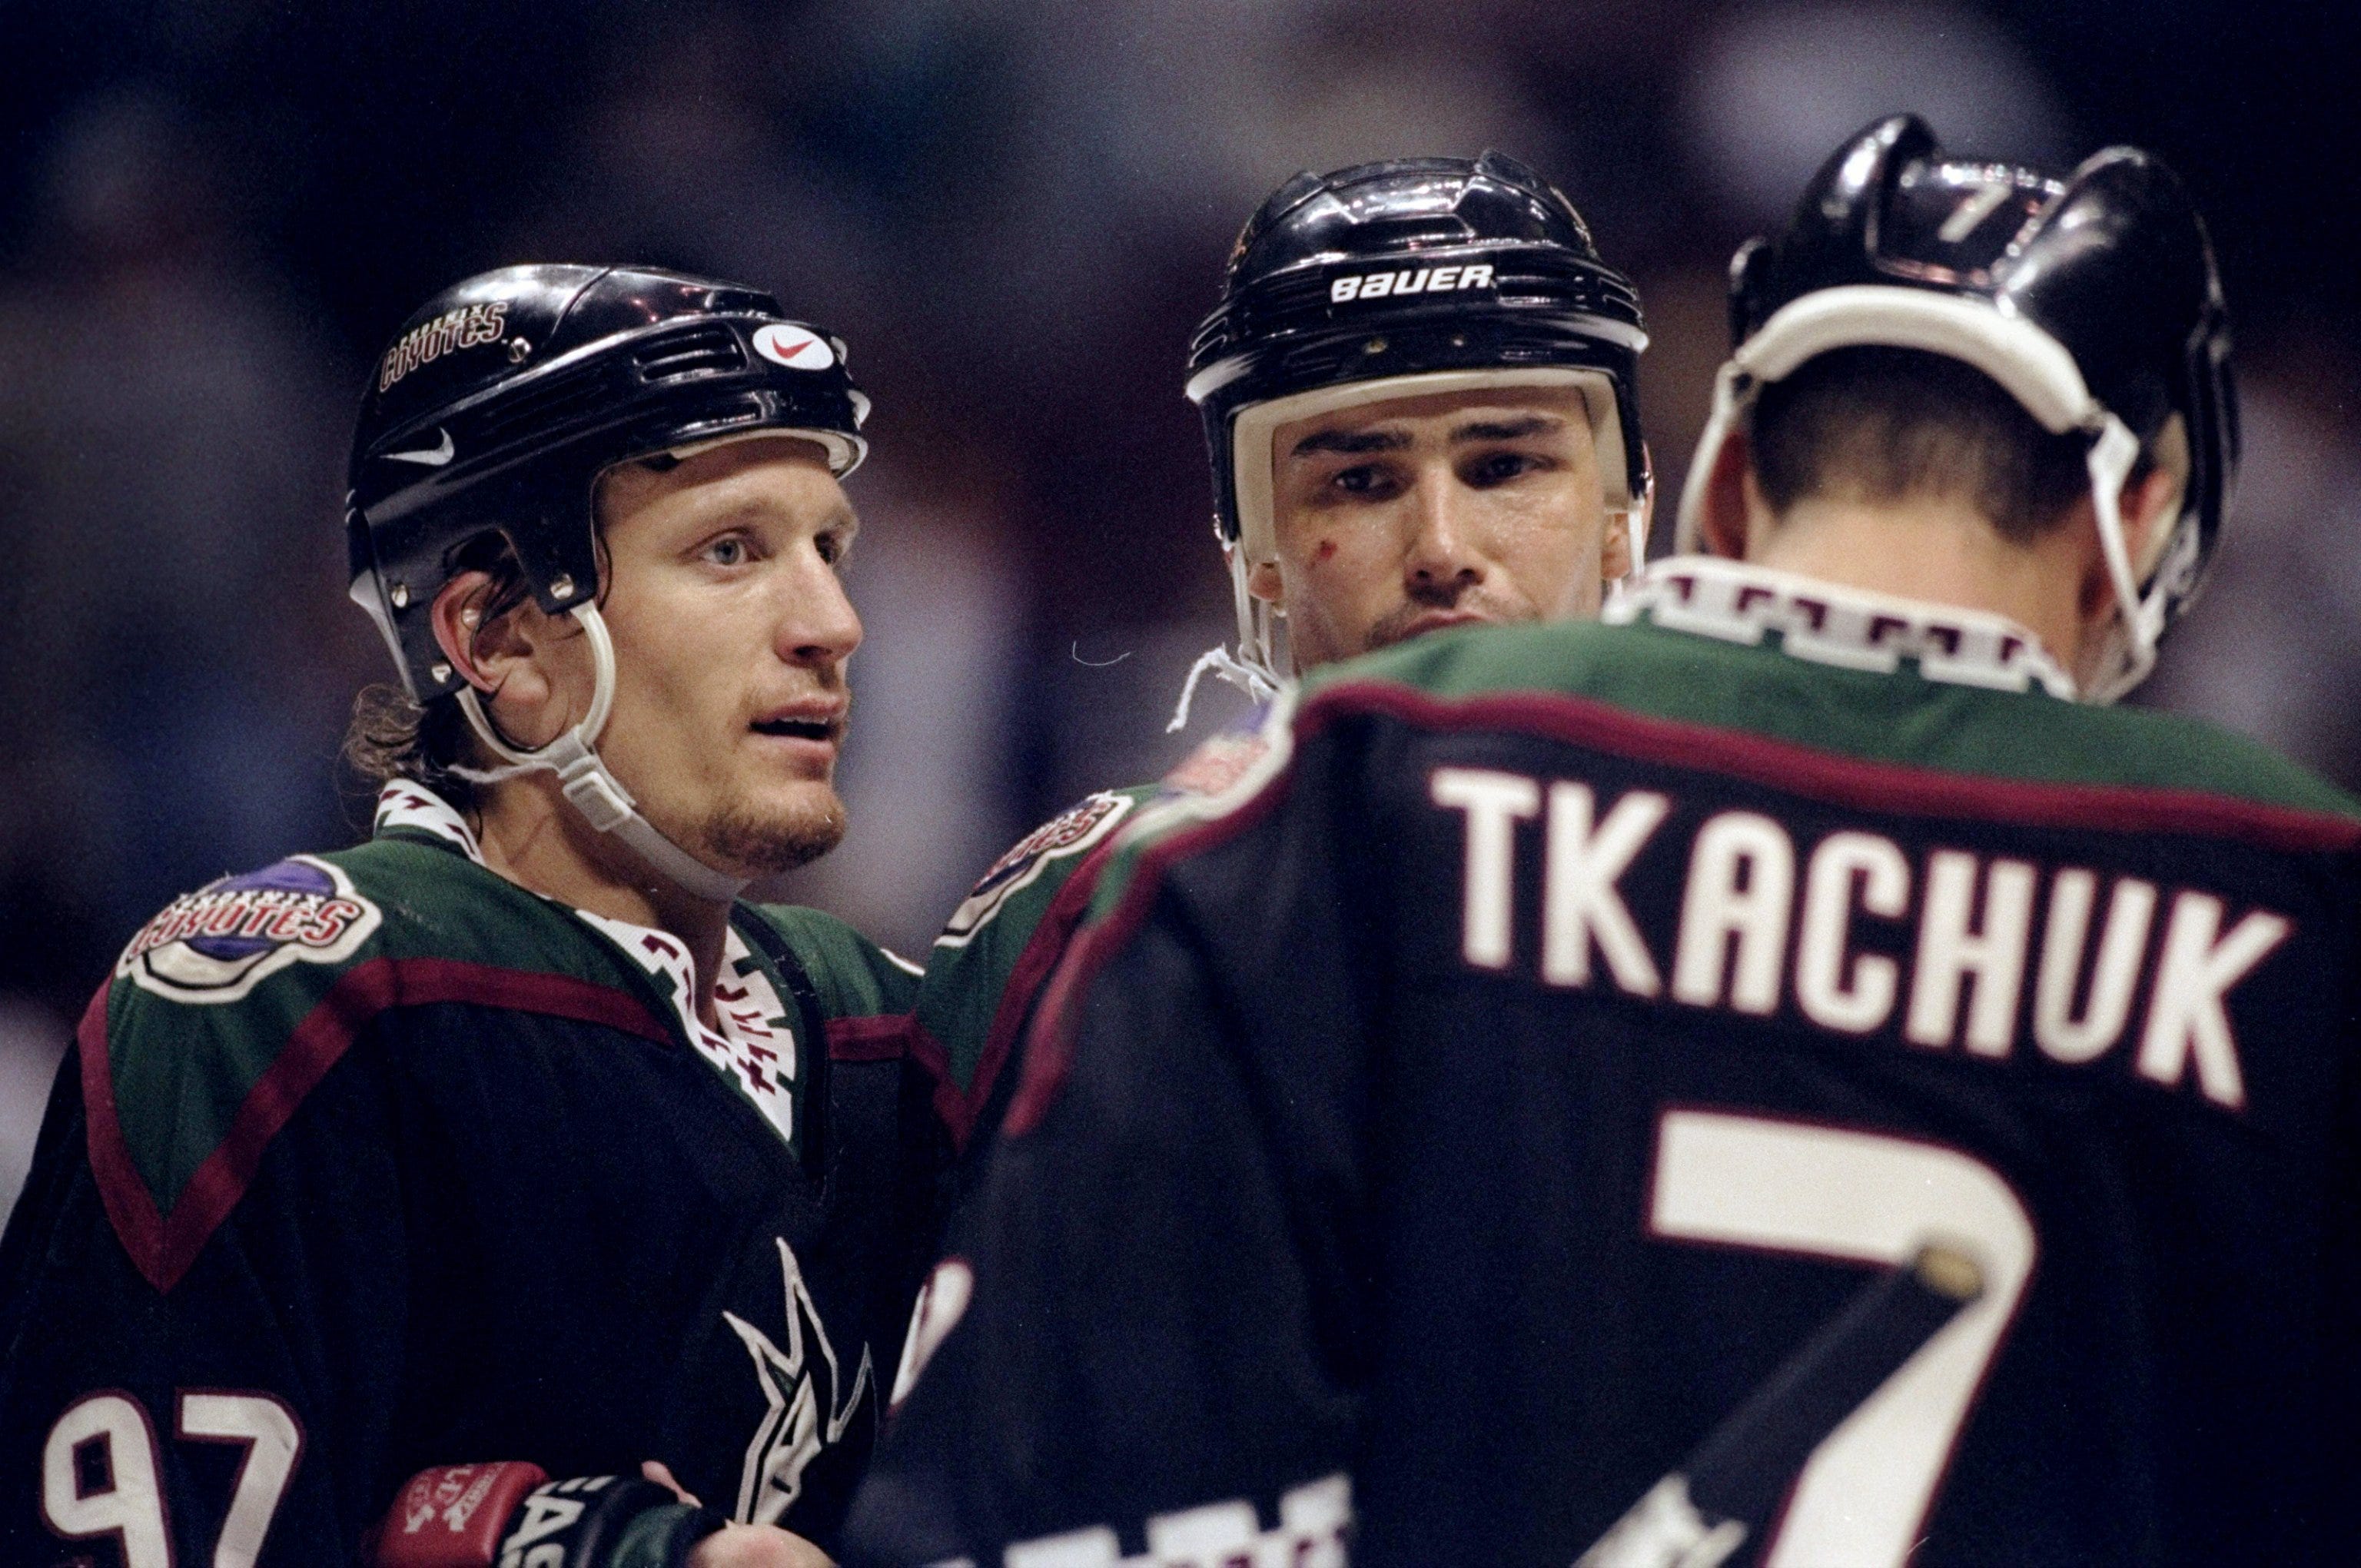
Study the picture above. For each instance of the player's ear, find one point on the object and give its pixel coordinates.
(1615, 545)
(1731, 498)
(2149, 505)
(1263, 581)
(498, 652)
(458, 618)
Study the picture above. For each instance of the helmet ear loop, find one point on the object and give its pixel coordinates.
(1254, 669)
(1734, 390)
(2139, 619)
(1639, 517)
(583, 780)
(1633, 510)
(582, 739)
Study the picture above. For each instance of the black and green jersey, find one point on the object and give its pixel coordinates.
(996, 951)
(374, 1160)
(1000, 945)
(1446, 1127)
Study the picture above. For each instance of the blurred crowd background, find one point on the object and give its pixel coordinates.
(214, 213)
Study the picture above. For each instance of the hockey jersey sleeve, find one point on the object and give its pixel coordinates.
(998, 950)
(221, 1403)
(1157, 1330)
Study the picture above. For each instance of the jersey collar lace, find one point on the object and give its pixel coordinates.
(755, 1047)
(1828, 623)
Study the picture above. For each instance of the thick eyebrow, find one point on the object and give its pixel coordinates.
(1515, 428)
(1352, 443)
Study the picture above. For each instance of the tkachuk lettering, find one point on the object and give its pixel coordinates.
(1765, 921)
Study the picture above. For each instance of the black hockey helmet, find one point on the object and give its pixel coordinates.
(1462, 272)
(2094, 300)
(502, 401)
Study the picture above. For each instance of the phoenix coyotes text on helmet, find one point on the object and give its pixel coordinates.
(1862, 936)
(464, 328)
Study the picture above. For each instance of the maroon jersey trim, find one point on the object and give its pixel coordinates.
(1050, 1051)
(1839, 779)
(960, 1109)
(163, 1246)
(884, 1037)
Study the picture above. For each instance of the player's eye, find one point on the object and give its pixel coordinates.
(1364, 479)
(729, 549)
(833, 548)
(1499, 468)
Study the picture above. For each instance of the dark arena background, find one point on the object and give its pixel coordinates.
(213, 212)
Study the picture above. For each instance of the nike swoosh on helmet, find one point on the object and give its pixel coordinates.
(432, 457)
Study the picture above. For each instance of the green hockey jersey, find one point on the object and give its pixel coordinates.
(998, 948)
(373, 1160)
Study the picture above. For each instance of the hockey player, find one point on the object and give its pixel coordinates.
(1419, 398)
(509, 1135)
(1448, 1126)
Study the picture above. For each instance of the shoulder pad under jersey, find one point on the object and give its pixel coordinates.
(854, 977)
(232, 1003)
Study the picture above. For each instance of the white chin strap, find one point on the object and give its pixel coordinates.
(2032, 365)
(583, 777)
(2129, 651)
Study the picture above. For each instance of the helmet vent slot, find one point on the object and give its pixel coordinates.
(556, 402)
(704, 351)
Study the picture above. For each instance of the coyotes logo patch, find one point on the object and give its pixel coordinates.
(217, 944)
(1216, 766)
(1071, 832)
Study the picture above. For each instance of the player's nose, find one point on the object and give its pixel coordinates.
(817, 623)
(1441, 553)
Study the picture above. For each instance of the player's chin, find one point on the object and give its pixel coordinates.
(787, 829)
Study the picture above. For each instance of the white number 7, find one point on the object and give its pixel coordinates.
(1761, 1184)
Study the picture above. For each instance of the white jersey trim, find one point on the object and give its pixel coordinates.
(1829, 623)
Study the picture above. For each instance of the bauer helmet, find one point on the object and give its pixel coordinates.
(496, 409)
(2093, 300)
(1399, 280)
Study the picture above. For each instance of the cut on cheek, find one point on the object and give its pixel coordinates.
(1324, 549)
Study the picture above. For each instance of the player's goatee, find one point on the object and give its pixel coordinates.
(769, 843)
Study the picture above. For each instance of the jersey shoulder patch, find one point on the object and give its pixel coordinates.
(226, 1009)
(215, 945)
(1024, 881)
